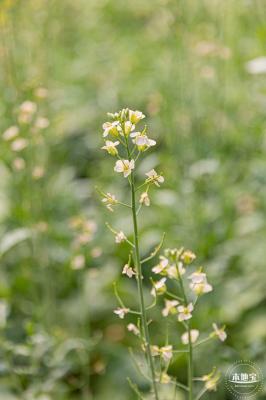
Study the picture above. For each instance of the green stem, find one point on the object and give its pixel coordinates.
(140, 288)
(139, 281)
(190, 349)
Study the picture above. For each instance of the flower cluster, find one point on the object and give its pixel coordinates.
(127, 144)
(26, 130)
(122, 130)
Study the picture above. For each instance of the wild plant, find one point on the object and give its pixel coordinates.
(128, 145)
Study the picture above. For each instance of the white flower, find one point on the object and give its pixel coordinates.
(128, 127)
(120, 237)
(10, 133)
(194, 334)
(211, 380)
(172, 272)
(26, 111)
(112, 128)
(201, 288)
(78, 262)
(110, 147)
(142, 141)
(19, 164)
(199, 283)
(165, 378)
(19, 144)
(155, 351)
(42, 123)
(219, 332)
(166, 352)
(185, 312)
(153, 177)
(188, 256)
(132, 328)
(28, 107)
(121, 312)
(144, 199)
(181, 269)
(159, 287)
(256, 66)
(127, 270)
(161, 267)
(170, 307)
(124, 166)
(109, 200)
(38, 172)
(135, 116)
(198, 277)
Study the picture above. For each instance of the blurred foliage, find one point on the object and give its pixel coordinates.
(184, 65)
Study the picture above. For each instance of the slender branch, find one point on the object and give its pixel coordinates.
(202, 341)
(135, 389)
(115, 232)
(140, 186)
(100, 192)
(178, 384)
(174, 296)
(190, 348)
(121, 303)
(155, 251)
(201, 393)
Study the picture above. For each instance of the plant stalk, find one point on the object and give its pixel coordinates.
(190, 348)
(140, 288)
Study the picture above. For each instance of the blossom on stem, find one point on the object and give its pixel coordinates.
(185, 312)
(166, 352)
(161, 267)
(219, 332)
(112, 128)
(78, 262)
(128, 127)
(132, 328)
(159, 287)
(173, 254)
(144, 199)
(174, 272)
(124, 166)
(199, 283)
(109, 200)
(10, 133)
(188, 256)
(142, 141)
(121, 312)
(135, 116)
(170, 307)
(194, 334)
(211, 380)
(153, 177)
(120, 237)
(165, 378)
(42, 123)
(26, 111)
(129, 271)
(110, 147)
(19, 144)
(19, 164)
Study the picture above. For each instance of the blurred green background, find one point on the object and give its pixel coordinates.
(185, 65)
